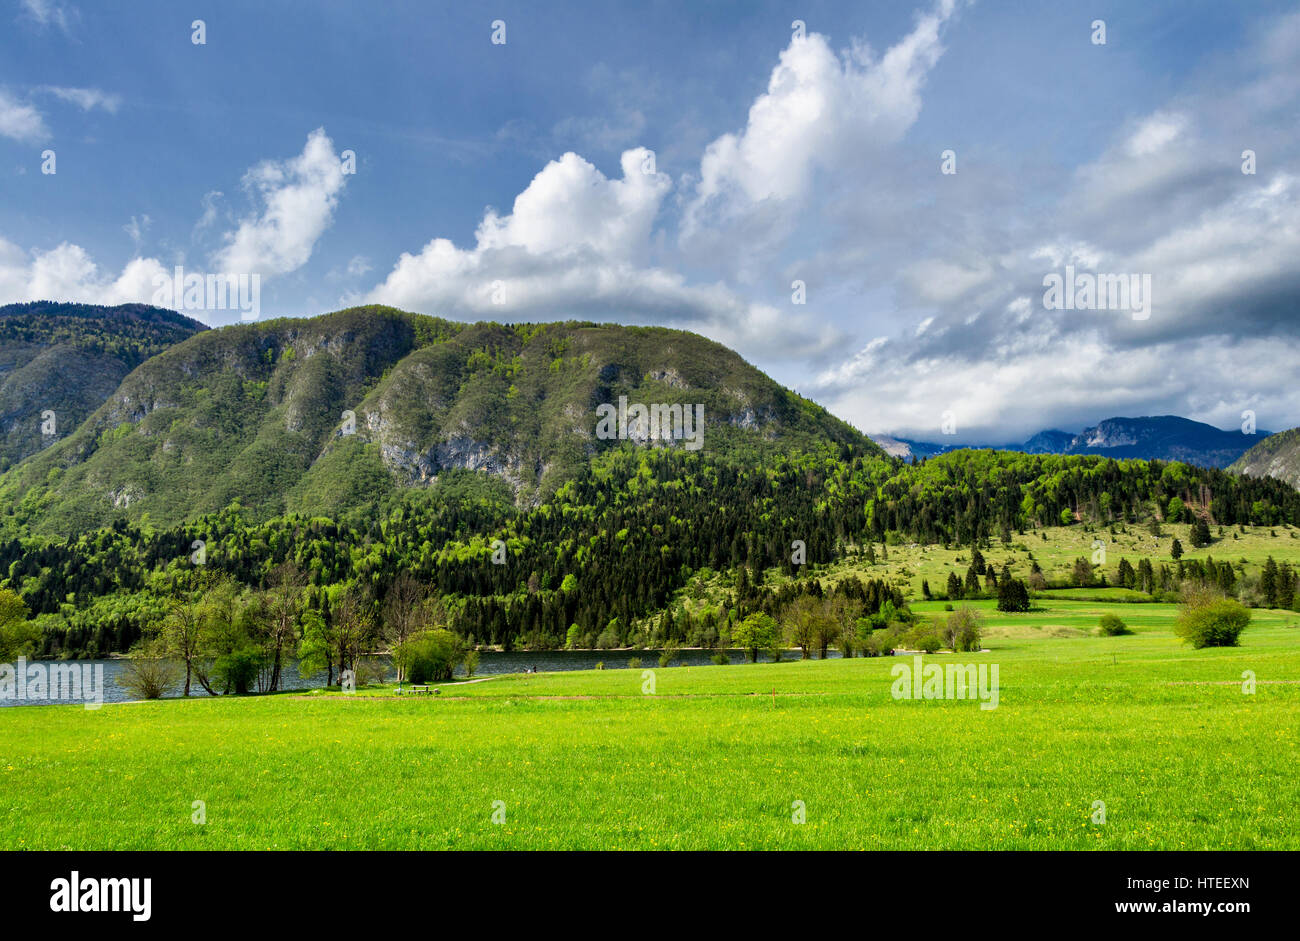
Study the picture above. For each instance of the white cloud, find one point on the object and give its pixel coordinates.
(299, 196)
(51, 13)
(820, 111)
(85, 98)
(136, 228)
(67, 273)
(576, 244)
(20, 121)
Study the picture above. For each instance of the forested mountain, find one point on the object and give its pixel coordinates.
(1152, 438)
(59, 362)
(1276, 456)
(470, 463)
(326, 416)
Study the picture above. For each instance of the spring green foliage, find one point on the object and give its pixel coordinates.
(1207, 621)
(1112, 625)
(583, 760)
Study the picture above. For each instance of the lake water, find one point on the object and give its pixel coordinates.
(490, 663)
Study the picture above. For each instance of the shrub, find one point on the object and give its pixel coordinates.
(431, 657)
(877, 644)
(471, 663)
(963, 629)
(371, 673)
(150, 677)
(929, 643)
(1113, 626)
(238, 669)
(600, 664)
(666, 656)
(721, 659)
(634, 663)
(1207, 621)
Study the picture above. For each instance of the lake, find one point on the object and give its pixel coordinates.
(490, 663)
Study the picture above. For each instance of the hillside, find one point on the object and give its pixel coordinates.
(255, 413)
(1276, 456)
(68, 359)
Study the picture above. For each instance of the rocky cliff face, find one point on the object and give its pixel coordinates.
(1276, 456)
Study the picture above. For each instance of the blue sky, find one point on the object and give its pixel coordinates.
(775, 158)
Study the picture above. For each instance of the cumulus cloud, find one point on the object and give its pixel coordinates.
(577, 244)
(821, 111)
(1164, 195)
(298, 197)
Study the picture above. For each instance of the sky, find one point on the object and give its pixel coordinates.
(866, 200)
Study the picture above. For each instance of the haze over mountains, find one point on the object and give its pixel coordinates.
(1161, 437)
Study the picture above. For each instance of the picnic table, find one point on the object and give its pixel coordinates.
(414, 690)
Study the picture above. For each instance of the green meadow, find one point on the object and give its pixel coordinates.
(715, 757)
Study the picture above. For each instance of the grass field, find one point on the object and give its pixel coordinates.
(715, 758)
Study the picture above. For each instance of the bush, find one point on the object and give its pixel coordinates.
(666, 656)
(721, 659)
(600, 664)
(1206, 621)
(431, 657)
(634, 663)
(371, 673)
(881, 643)
(1113, 626)
(238, 669)
(471, 663)
(150, 677)
(963, 629)
(928, 644)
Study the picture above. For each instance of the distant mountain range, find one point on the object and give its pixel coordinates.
(1159, 437)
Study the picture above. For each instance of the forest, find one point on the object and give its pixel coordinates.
(599, 563)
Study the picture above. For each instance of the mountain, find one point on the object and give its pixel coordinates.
(1162, 437)
(60, 362)
(256, 414)
(1047, 442)
(908, 448)
(1276, 456)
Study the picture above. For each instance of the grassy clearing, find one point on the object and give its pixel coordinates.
(1162, 733)
(1054, 548)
